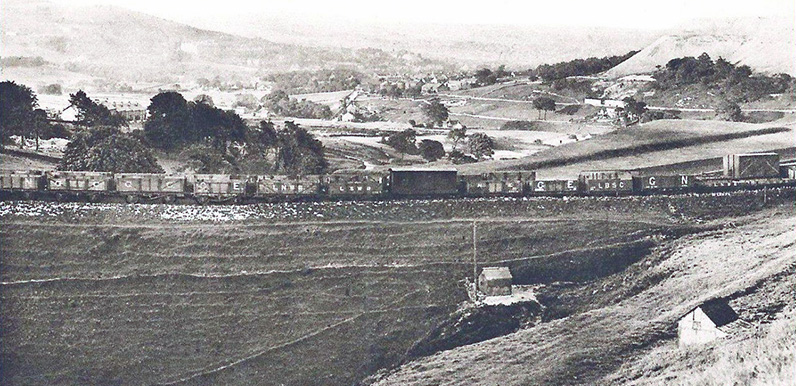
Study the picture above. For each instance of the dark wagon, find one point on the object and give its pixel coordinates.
(356, 184)
(662, 183)
(499, 183)
(423, 182)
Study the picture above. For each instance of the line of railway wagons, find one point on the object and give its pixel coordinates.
(740, 170)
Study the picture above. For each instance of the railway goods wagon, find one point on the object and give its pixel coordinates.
(663, 182)
(150, 185)
(94, 182)
(751, 165)
(219, 186)
(289, 186)
(555, 187)
(21, 180)
(355, 184)
(423, 182)
(787, 170)
(606, 181)
(496, 183)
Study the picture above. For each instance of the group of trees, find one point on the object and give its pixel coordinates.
(399, 90)
(280, 103)
(486, 77)
(734, 83)
(20, 115)
(106, 148)
(478, 145)
(544, 104)
(578, 67)
(174, 122)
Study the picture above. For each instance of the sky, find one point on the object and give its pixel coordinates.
(635, 14)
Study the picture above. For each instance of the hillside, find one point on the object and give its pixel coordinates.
(518, 47)
(765, 44)
(618, 320)
(122, 45)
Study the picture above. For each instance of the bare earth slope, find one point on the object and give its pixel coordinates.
(765, 44)
(584, 347)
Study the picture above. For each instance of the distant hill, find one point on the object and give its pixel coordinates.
(114, 43)
(518, 47)
(765, 44)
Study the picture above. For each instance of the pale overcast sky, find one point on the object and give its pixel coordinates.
(616, 13)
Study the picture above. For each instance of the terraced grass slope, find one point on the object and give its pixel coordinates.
(292, 293)
(613, 323)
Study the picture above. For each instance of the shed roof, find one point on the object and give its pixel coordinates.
(496, 273)
(719, 312)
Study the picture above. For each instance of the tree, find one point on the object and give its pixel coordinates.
(76, 153)
(435, 111)
(121, 153)
(263, 138)
(299, 152)
(457, 135)
(403, 141)
(204, 158)
(729, 111)
(485, 77)
(17, 103)
(204, 98)
(480, 145)
(634, 109)
(169, 120)
(92, 114)
(431, 150)
(544, 104)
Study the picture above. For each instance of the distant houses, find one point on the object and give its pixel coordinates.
(707, 322)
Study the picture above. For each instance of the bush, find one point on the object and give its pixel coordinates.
(431, 150)
(458, 157)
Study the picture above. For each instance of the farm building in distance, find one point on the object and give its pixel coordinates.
(495, 281)
(705, 323)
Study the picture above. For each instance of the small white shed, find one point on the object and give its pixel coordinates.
(495, 281)
(707, 322)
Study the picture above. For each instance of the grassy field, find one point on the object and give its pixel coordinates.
(323, 293)
(13, 162)
(652, 144)
(616, 320)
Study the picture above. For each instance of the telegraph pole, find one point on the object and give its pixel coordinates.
(475, 259)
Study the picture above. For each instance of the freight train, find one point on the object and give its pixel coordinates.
(740, 171)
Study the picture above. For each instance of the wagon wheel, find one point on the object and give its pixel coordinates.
(94, 197)
(131, 198)
(237, 200)
(202, 200)
(29, 196)
(169, 199)
(60, 197)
